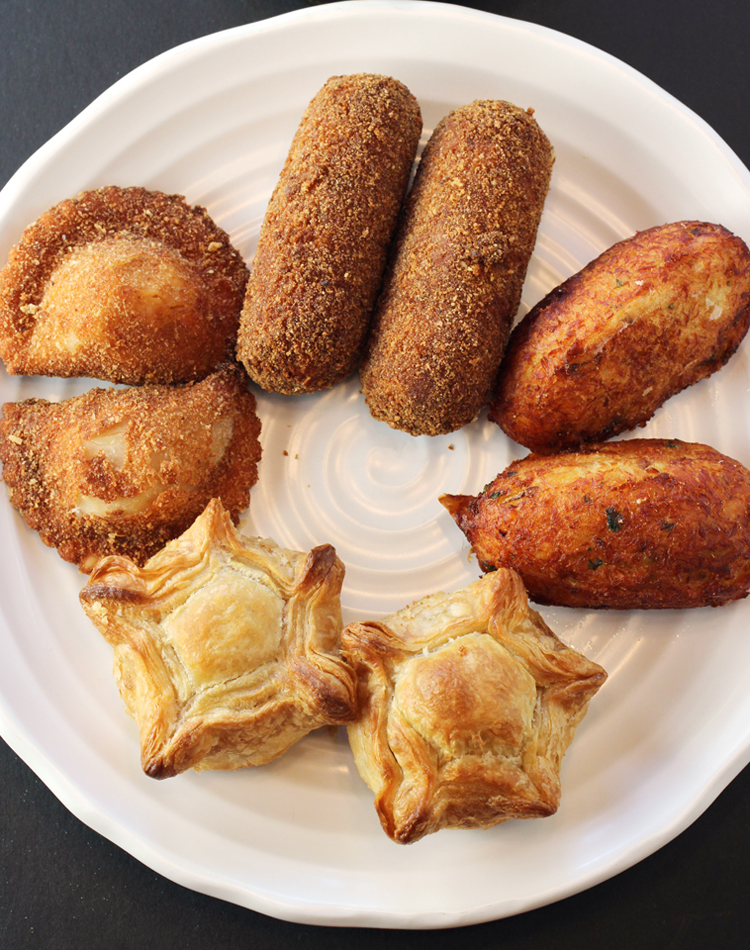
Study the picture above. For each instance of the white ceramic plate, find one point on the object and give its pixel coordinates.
(299, 839)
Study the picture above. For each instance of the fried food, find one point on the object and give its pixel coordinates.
(323, 244)
(125, 471)
(226, 648)
(468, 704)
(454, 279)
(122, 284)
(643, 523)
(600, 353)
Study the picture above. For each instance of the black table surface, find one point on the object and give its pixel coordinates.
(64, 886)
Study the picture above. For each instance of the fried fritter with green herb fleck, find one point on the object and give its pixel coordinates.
(642, 523)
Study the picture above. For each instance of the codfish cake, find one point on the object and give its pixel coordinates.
(602, 352)
(642, 523)
(121, 284)
(124, 471)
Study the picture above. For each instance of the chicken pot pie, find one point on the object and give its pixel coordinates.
(124, 471)
(122, 284)
(468, 703)
(225, 647)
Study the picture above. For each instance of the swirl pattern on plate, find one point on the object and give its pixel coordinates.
(331, 473)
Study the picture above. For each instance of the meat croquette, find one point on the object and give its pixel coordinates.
(453, 283)
(325, 236)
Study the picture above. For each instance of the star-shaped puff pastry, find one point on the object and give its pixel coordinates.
(226, 648)
(468, 702)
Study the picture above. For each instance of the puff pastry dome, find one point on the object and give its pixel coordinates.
(225, 647)
(468, 703)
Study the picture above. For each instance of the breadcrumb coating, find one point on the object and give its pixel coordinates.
(123, 471)
(121, 284)
(454, 279)
(325, 237)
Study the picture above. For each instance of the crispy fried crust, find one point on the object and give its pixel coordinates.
(124, 471)
(226, 648)
(600, 353)
(122, 284)
(468, 703)
(454, 279)
(643, 523)
(326, 232)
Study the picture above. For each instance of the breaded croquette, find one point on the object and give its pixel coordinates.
(638, 524)
(123, 471)
(453, 283)
(325, 237)
(121, 284)
(601, 352)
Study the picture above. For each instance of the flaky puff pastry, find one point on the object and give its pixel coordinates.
(225, 647)
(468, 703)
(123, 471)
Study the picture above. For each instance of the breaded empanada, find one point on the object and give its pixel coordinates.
(125, 471)
(225, 647)
(122, 284)
(468, 703)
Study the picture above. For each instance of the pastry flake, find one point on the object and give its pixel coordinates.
(121, 284)
(123, 471)
(225, 647)
(468, 703)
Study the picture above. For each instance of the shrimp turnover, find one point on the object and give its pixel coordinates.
(121, 284)
(125, 471)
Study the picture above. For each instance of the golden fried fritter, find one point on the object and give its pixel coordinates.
(600, 353)
(324, 240)
(122, 284)
(124, 471)
(635, 524)
(454, 279)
